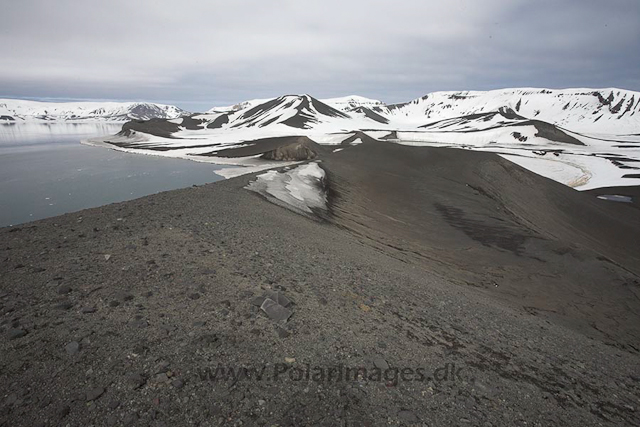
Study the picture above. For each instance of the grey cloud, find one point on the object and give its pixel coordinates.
(200, 53)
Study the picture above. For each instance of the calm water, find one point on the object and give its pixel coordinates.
(44, 171)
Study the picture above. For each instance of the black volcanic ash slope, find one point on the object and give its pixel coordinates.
(482, 221)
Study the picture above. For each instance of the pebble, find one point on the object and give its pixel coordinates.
(136, 380)
(63, 411)
(282, 332)
(162, 378)
(72, 348)
(194, 296)
(64, 305)
(111, 420)
(275, 311)
(94, 393)
(130, 419)
(63, 290)
(380, 363)
(177, 383)
(279, 298)
(16, 333)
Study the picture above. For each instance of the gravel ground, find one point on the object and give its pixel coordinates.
(135, 313)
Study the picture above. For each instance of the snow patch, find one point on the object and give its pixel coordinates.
(301, 189)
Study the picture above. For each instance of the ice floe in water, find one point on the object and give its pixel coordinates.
(301, 189)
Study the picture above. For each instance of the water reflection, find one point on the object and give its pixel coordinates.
(45, 171)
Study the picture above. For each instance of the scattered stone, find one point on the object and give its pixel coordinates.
(162, 378)
(177, 383)
(94, 393)
(139, 323)
(290, 359)
(194, 296)
(111, 420)
(323, 301)
(407, 416)
(136, 380)
(275, 311)
(64, 305)
(107, 257)
(130, 419)
(123, 296)
(279, 298)
(114, 404)
(162, 367)
(380, 363)
(63, 411)
(72, 348)
(64, 289)
(282, 332)
(257, 301)
(87, 310)
(16, 333)
(261, 402)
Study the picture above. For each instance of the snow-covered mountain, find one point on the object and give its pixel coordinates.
(614, 111)
(348, 103)
(585, 138)
(16, 110)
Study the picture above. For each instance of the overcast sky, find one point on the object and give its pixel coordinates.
(197, 54)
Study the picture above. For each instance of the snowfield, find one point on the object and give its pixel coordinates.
(584, 138)
(16, 110)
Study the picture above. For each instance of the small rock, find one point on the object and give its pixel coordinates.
(177, 383)
(64, 305)
(380, 363)
(261, 402)
(257, 301)
(282, 332)
(130, 419)
(16, 333)
(107, 257)
(123, 296)
(63, 411)
(290, 359)
(72, 348)
(139, 323)
(407, 416)
(136, 380)
(63, 290)
(94, 393)
(114, 404)
(114, 303)
(87, 310)
(162, 378)
(111, 420)
(279, 298)
(275, 311)
(162, 367)
(194, 296)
